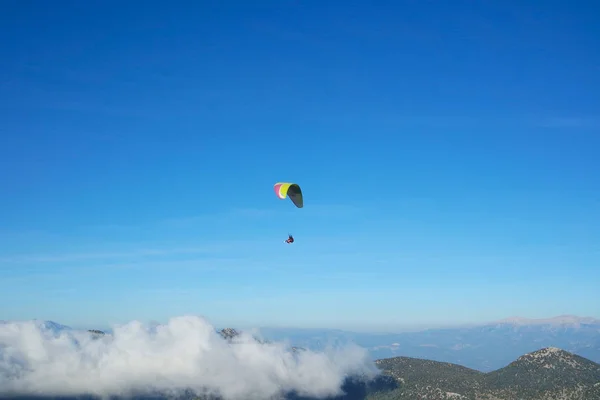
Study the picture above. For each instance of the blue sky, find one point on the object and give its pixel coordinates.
(448, 153)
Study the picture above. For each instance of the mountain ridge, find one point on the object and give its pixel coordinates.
(562, 320)
(545, 374)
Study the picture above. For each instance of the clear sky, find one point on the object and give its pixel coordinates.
(448, 153)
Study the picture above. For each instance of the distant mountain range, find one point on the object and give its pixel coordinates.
(483, 347)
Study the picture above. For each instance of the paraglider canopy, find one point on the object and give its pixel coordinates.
(291, 190)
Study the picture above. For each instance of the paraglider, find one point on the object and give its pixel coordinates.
(293, 191)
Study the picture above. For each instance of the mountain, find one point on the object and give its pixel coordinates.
(546, 374)
(483, 347)
(561, 320)
(228, 333)
(413, 374)
(551, 371)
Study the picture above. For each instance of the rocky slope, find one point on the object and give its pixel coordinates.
(546, 374)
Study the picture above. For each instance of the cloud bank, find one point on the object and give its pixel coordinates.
(187, 353)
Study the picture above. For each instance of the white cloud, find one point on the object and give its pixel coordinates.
(185, 353)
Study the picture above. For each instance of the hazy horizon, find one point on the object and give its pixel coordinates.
(566, 319)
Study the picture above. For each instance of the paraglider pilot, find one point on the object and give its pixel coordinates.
(290, 239)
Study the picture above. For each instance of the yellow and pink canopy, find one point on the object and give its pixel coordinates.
(291, 190)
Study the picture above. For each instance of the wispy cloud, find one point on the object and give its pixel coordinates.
(569, 122)
(234, 214)
(220, 217)
(171, 291)
(390, 120)
(131, 253)
(42, 258)
(312, 210)
(66, 275)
